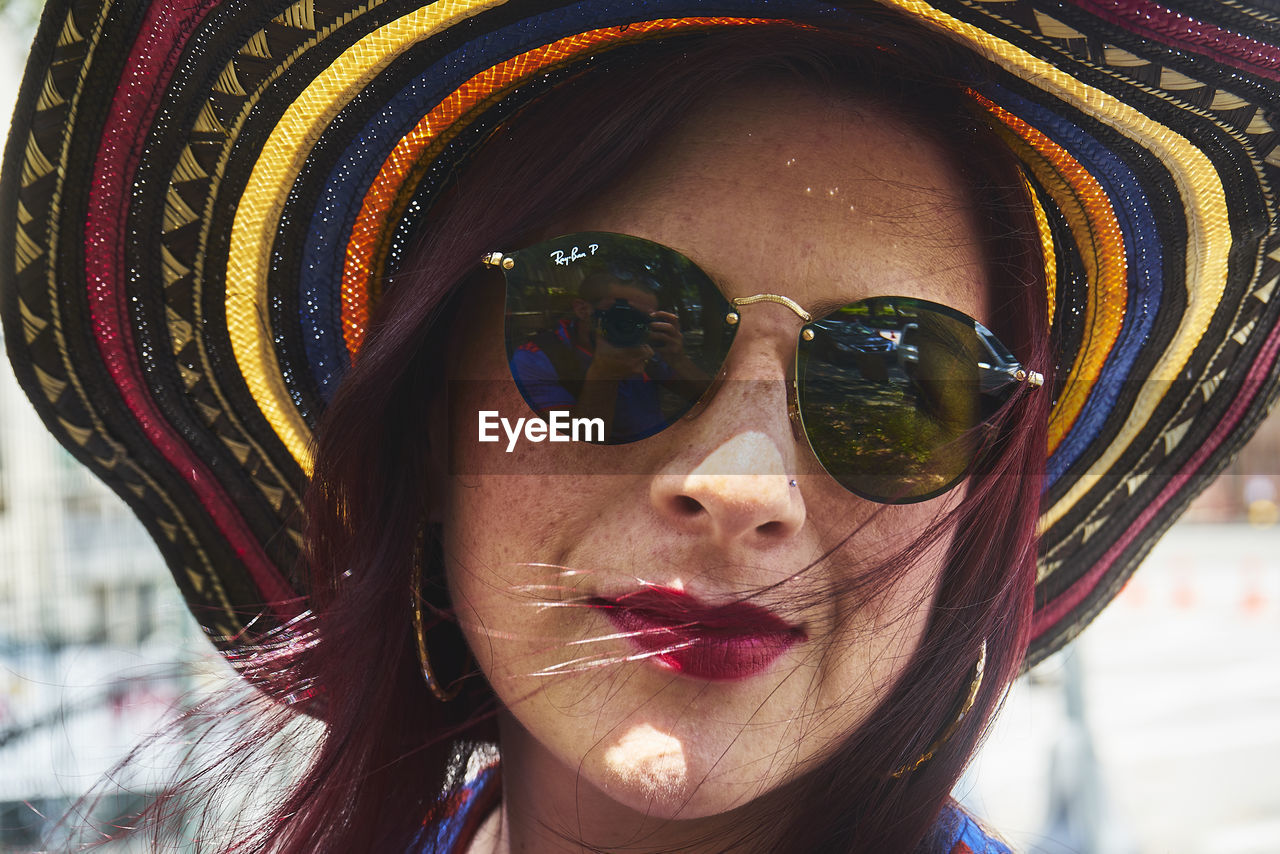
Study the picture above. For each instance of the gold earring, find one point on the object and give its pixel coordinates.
(442, 693)
(970, 696)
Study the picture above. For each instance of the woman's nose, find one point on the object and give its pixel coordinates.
(736, 483)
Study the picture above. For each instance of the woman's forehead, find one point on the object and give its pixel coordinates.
(825, 199)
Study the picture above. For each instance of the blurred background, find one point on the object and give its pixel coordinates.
(1157, 731)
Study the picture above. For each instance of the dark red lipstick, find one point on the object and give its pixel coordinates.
(719, 642)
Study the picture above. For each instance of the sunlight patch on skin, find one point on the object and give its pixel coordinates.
(749, 452)
(648, 759)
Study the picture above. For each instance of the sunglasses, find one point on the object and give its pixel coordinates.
(892, 393)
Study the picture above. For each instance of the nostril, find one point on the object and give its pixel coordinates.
(686, 505)
(771, 529)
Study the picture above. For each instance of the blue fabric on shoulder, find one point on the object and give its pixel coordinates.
(453, 823)
(958, 833)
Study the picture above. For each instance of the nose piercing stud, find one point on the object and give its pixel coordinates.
(793, 483)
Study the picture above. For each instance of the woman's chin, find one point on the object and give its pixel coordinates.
(658, 763)
(665, 746)
(688, 770)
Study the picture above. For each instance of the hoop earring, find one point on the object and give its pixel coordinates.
(441, 692)
(970, 696)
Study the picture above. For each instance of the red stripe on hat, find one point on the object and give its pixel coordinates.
(155, 54)
(1178, 30)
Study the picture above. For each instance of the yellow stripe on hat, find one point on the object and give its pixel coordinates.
(1047, 247)
(279, 161)
(1203, 196)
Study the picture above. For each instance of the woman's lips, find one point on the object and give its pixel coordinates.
(678, 631)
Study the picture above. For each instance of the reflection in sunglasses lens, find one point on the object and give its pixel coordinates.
(890, 396)
(613, 327)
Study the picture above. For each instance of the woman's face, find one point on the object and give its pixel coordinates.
(770, 190)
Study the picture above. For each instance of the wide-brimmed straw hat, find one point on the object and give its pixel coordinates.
(201, 199)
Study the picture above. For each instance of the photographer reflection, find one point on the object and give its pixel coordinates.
(612, 359)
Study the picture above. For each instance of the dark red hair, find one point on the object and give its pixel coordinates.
(389, 745)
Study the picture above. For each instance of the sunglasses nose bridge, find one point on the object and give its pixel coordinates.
(779, 299)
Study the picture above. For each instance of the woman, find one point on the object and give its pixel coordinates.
(853, 580)
(732, 633)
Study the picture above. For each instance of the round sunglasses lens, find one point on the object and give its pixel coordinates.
(616, 328)
(890, 394)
